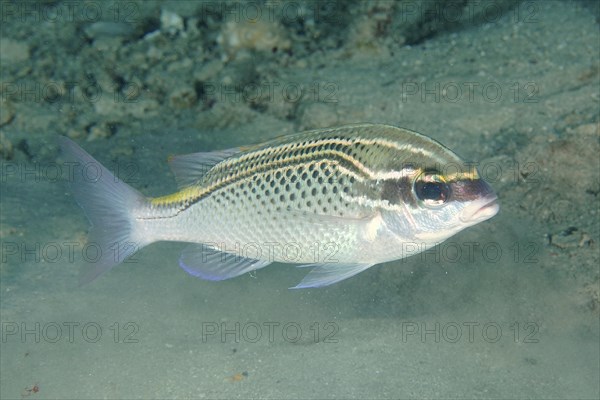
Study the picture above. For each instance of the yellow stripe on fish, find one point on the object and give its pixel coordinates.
(369, 191)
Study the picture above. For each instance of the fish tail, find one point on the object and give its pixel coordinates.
(110, 205)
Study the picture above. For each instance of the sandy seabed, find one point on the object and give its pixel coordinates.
(506, 309)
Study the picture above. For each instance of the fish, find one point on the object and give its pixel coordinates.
(336, 200)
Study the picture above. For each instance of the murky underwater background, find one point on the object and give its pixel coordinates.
(506, 309)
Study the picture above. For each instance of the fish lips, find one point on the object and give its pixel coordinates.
(481, 200)
(479, 210)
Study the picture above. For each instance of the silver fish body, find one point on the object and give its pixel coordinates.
(337, 199)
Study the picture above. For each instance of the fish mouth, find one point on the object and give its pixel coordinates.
(480, 210)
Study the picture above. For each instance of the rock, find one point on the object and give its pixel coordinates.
(100, 131)
(171, 23)
(7, 112)
(183, 97)
(6, 148)
(260, 35)
(13, 51)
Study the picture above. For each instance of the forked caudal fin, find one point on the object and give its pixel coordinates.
(109, 204)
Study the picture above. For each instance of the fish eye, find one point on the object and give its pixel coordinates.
(431, 189)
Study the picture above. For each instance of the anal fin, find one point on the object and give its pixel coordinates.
(329, 273)
(206, 262)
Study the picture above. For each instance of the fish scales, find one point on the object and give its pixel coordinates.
(259, 198)
(342, 199)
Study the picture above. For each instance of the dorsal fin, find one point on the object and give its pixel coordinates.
(190, 168)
